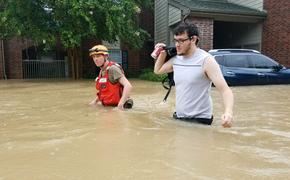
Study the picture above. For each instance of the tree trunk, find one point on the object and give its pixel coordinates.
(75, 59)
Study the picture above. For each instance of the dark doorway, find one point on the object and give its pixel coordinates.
(237, 35)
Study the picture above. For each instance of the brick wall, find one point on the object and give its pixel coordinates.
(276, 31)
(205, 27)
(13, 58)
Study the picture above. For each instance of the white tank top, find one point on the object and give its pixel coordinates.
(192, 86)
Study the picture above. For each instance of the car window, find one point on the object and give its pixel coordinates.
(236, 61)
(261, 61)
(219, 59)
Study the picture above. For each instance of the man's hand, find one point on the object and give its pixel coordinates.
(127, 87)
(121, 105)
(157, 50)
(94, 102)
(227, 119)
(158, 45)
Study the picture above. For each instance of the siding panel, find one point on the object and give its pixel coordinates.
(174, 15)
(161, 21)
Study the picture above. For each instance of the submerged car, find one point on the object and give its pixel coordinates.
(250, 67)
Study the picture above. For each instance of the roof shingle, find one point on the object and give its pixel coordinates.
(222, 7)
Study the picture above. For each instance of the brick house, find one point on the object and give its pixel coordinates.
(19, 59)
(254, 24)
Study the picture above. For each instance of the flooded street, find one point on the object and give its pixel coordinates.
(47, 131)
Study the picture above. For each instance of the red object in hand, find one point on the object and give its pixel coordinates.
(156, 52)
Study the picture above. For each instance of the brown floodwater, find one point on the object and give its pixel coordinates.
(47, 131)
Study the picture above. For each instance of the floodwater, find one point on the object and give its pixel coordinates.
(47, 131)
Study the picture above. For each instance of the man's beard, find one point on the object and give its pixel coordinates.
(185, 52)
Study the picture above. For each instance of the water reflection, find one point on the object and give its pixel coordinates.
(48, 132)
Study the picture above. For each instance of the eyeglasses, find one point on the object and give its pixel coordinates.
(180, 41)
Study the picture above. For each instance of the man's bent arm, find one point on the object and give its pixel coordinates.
(94, 101)
(213, 71)
(127, 88)
(160, 67)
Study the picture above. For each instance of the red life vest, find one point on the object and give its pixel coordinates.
(109, 94)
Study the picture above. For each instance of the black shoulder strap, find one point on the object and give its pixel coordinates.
(169, 79)
(167, 94)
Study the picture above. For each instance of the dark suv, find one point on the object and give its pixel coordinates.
(250, 67)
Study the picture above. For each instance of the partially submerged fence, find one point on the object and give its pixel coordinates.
(45, 69)
(59, 69)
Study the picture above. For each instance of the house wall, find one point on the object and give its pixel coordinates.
(13, 58)
(205, 27)
(255, 4)
(161, 21)
(174, 15)
(276, 31)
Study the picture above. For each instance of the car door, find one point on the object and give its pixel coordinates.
(268, 70)
(238, 70)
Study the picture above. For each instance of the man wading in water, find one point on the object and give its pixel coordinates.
(113, 88)
(194, 72)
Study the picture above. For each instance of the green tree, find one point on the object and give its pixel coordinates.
(72, 21)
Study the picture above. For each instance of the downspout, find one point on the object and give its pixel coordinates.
(3, 60)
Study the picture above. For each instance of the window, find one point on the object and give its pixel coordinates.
(220, 60)
(236, 61)
(261, 61)
(115, 55)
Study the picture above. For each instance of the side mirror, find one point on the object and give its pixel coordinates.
(277, 68)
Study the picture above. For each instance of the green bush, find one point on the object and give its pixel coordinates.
(148, 74)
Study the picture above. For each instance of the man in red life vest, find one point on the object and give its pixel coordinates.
(113, 88)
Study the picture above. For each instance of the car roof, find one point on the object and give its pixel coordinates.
(230, 51)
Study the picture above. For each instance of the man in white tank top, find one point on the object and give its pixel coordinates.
(194, 72)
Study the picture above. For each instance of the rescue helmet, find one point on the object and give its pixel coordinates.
(99, 49)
